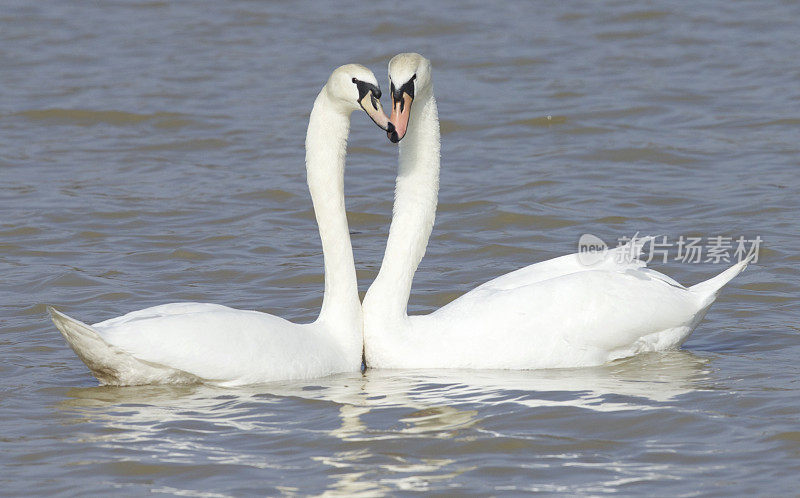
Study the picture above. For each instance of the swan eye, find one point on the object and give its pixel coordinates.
(364, 88)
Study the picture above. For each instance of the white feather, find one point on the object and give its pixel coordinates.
(191, 342)
(557, 313)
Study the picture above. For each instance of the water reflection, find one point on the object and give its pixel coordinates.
(652, 377)
(376, 410)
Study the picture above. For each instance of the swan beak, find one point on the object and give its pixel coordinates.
(372, 106)
(401, 111)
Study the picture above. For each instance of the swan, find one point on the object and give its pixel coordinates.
(197, 342)
(553, 314)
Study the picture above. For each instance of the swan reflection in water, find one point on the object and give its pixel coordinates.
(377, 411)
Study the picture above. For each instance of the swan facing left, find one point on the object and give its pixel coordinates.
(554, 314)
(194, 342)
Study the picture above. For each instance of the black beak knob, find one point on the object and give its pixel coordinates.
(391, 133)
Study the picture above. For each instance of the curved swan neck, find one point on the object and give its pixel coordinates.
(416, 195)
(326, 146)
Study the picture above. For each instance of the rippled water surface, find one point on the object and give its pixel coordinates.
(152, 152)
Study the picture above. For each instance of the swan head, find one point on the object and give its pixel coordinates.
(354, 86)
(410, 78)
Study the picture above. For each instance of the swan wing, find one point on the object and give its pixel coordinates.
(577, 319)
(621, 258)
(220, 344)
(160, 311)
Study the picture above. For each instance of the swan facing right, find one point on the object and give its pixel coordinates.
(557, 313)
(191, 342)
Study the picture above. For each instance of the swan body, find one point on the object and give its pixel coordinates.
(192, 342)
(200, 342)
(557, 313)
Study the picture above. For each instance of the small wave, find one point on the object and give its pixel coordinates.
(87, 117)
(201, 143)
(541, 121)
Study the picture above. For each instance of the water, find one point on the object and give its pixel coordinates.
(152, 152)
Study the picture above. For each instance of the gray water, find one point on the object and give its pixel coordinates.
(152, 152)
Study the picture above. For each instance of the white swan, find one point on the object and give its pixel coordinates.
(190, 342)
(558, 313)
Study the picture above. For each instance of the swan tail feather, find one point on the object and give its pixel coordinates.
(710, 288)
(109, 364)
(631, 252)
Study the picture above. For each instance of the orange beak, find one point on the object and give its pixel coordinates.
(401, 111)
